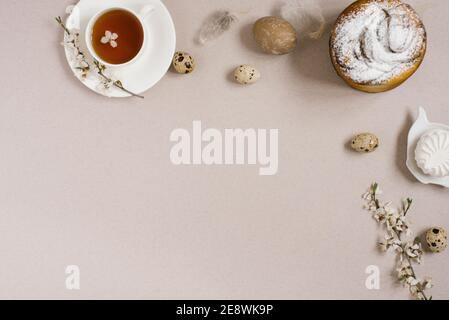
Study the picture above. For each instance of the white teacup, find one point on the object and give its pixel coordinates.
(144, 12)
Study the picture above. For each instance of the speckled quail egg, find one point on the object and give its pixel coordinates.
(275, 35)
(246, 74)
(183, 62)
(436, 238)
(365, 142)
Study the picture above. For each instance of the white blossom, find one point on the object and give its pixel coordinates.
(110, 37)
(427, 283)
(404, 270)
(414, 251)
(389, 242)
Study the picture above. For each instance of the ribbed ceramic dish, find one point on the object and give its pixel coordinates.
(432, 153)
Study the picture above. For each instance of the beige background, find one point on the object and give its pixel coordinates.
(87, 180)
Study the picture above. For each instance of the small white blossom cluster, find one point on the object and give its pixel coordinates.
(396, 226)
(106, 79)
(82, 65)
(79, 60)
(406, 276)
(110, 37)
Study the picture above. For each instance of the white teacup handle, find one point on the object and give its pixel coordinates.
(146, 10)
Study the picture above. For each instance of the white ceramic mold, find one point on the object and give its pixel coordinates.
(422, 134)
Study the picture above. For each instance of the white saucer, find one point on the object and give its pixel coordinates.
(155, 60)
(420, 127)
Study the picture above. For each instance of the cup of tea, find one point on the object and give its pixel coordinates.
(116, 36)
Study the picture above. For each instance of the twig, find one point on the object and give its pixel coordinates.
(59, 21)
(115, 83)
(404, 255)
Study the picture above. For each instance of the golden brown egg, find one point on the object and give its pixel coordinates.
(275, 35)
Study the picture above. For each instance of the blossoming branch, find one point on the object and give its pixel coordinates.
(71, 41)
(397, 238)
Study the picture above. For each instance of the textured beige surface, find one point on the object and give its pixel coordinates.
(88, 181)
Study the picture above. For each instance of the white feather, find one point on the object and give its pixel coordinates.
(305, 16)
(215, 25)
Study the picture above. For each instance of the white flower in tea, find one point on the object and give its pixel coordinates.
(110, 37)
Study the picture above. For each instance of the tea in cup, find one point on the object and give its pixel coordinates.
(116, 36)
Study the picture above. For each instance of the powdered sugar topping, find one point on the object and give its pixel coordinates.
(378, 42)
